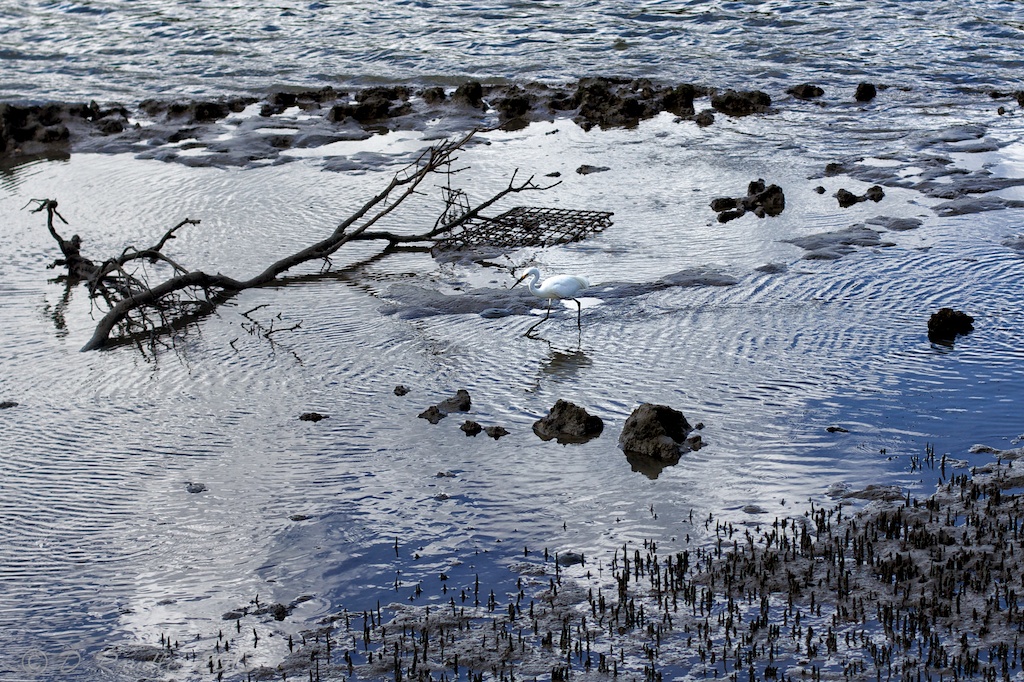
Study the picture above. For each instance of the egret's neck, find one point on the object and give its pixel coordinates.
(532, 284)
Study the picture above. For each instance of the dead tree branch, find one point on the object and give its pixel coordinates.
(135, 308)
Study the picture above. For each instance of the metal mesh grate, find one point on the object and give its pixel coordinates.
(527, 226)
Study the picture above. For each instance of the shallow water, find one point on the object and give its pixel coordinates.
(101, 541)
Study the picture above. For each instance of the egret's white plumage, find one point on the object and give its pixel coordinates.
(562, 287)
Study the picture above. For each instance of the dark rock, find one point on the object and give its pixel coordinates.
(837, 429)
(111, 126)
(209, 111)
(401, 390)
(725, 203)
(471, 428)
(386, 92)
(847, 198)
(679, 100)
(460, 402)
(819, 189)
(283, 100)
(705, 118)
(516, 103)
(299, 517)
(496, 432)
(726, 216)
(312, 416)
(434, 95)
(741, 103)
(570, 559)
(279, 611)
(36, 129)
(195, 487)
(805, 91)
(771, 200)
(7, 404)
(470, 93)
(865, 92)
(946, 324)
(233, 615)
(656, 431)
(587, 169)
(760, 200)
(432, 414)
(568, 423)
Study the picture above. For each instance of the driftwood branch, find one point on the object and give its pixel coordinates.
(136, 308)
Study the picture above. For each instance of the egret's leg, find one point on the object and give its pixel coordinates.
(579, 314)
(537, 324)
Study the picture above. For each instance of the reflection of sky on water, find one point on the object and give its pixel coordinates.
(104, 443)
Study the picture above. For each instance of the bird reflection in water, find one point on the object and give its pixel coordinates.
(560, 365)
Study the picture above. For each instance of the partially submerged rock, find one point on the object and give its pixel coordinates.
(471, 428)
(946, 324)
(760, 200)
(312, 416)
(496, 432)
(460, 402)
(805, 91)
(847, 198)
(568, 423)
(658, 432)
(741, 102)
(7, 404)
(865, 92)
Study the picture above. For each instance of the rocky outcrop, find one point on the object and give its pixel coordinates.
(658, 432)
(760, 201)
(568, 423)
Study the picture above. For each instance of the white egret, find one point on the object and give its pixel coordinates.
(562, 287)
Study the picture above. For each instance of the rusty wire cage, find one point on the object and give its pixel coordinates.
(527, 226)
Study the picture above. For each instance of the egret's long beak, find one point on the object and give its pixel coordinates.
(518, 282)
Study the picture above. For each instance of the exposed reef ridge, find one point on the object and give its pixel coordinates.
(263, 126)
(193, 131)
